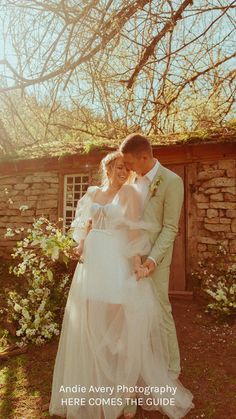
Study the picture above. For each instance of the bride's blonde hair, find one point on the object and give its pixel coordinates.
(108, 163)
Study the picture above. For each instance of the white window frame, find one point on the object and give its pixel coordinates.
(65, 195)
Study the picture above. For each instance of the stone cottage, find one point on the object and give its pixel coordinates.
(51, 186)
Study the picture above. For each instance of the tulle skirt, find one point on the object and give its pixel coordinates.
(112, 344)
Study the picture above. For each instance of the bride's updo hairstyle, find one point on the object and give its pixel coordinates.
(107, 164)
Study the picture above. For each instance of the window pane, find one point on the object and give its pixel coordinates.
(78, 187)
(75, 187)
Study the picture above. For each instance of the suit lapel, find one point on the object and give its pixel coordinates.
(158, 173)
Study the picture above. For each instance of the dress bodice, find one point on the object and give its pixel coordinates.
(123, 215)
(105, 216)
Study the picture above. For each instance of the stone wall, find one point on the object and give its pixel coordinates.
(37, 192)
(210, 205)
(214, 196)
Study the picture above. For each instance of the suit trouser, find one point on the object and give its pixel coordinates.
(161, 281)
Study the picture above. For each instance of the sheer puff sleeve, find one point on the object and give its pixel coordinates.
(131, 204)
(82, 215)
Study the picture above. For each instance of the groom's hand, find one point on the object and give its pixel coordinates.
(141, 272)
(150, 265)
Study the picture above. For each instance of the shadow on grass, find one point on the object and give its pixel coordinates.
(25, 383)
(12, 379)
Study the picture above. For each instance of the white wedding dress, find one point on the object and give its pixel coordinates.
(112, 336)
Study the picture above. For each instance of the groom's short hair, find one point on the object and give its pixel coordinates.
(136, 144)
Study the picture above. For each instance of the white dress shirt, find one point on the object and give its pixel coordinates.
(143, 183)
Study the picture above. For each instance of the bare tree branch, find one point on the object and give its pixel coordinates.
(151, 48)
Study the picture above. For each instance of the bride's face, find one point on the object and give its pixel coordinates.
(118, 173)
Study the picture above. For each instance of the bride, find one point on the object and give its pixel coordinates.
(112, 353)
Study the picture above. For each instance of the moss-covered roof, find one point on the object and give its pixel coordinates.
(62, 148)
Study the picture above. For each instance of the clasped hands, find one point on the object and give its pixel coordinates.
(143, 270)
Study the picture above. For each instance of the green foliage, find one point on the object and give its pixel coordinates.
(41, 262)
(217, 279)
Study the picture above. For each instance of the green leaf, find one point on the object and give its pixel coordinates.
(50, 274)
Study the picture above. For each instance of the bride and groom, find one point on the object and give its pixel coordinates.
(118, 330)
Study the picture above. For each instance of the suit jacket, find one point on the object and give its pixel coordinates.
(163, 209)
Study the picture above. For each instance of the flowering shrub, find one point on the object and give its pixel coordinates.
(41, 257)
(218, 282)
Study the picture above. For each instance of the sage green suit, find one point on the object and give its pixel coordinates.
(164, 208)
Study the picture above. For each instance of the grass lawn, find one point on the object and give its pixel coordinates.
(208, 355)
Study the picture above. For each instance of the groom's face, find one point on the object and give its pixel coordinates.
(135, 162)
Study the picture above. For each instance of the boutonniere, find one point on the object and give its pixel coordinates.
(154, 185)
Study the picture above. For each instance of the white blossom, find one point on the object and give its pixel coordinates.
(23, 208)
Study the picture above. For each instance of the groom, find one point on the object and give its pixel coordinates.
(162, 192)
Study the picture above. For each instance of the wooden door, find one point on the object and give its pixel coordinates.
(178, 265)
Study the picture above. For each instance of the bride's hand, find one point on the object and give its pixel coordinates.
(78, 250)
